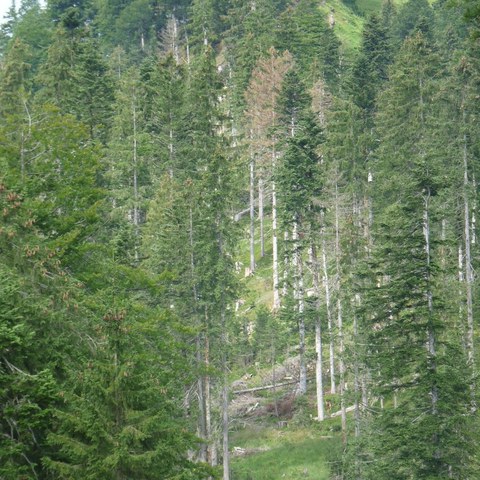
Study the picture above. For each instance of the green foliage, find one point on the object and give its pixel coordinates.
(409, 18)
(121, 416)
(409, 314)
(32, 307)
(250, 34)
(370, 68)
(75, 77)
(472, 13)
(205, 22)
(31, 27)
(163, 89)
(303, 31)
(117, 239)
(7, 27)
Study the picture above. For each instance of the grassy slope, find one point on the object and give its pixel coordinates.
(370, 6)
(290, 454)
(348, 24)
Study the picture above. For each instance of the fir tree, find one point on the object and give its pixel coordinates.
(75, 77)
(297, 177)
(411, 352)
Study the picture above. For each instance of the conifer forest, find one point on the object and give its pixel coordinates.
(239, 240)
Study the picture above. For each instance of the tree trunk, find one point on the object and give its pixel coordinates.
(341, 349)
(202, 422)
(318, 334)
(356, 379)
(285, 266)
(175, 41)
(276, 292)
(431, 341)
(469, 277)
(299, 296)
(252, 215)
(136, 213)
(326, 284)
(225, 450)
(224, 346)
(261, 196)
(274, 373)
(226, 453)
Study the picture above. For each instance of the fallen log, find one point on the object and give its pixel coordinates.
(348, 409)
(265, 387)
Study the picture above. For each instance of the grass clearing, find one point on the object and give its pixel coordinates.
(289, 454)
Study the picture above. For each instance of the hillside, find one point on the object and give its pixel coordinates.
(238, 240)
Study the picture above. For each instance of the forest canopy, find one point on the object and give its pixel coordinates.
(227, 221)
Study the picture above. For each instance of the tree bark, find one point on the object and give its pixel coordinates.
(326, 284)
(136, 213)
(431, 340)
(252, 214)
(341, 349)
(318, 334)
(299, 294)
(261, 196)
(202, 422)
(276, 291)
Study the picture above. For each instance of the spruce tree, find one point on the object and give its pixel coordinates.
(196, 217)
(303, 31)
(412, 352)
(31, 311)
(297, 176)
(75, 77)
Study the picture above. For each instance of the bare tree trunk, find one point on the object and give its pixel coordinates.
(187, 46)
(261, 196)
(22, 155)
(224, 346)
(274, 373)
(285, 266)
(212, 447)
(341, 364)
(469, 276)
(252, 214)
(276, 291)
(299, 297)
(202, 422)
(326, 284)
(356, 379)
(318, 334)
(136, 213)
(431, 341)
(175, 48)
(341, 348)
(431, 347)
(225, 449)
(170, 151)
(226, 453)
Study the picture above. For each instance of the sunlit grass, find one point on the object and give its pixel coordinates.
(288, 454)
(348, 25)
